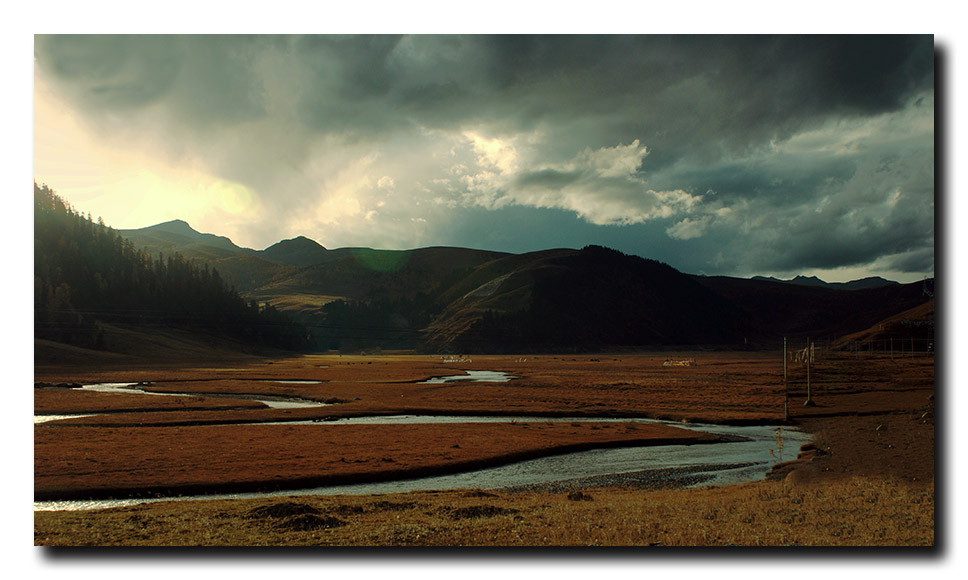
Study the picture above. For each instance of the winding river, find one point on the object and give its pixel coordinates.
(689, 465)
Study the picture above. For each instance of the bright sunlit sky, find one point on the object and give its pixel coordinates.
(772, 155)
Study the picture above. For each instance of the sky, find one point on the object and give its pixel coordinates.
(719, 155)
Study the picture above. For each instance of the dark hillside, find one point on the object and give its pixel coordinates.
(387, 297)
(501, 286)
(458, 299)
(777, 309)
(363, 274)
(557, 300)
(598, 299)
(907, 331)
(491, 279)
(86, 276)
(246, 273)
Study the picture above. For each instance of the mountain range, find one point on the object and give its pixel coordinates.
(869, 282)
(466, 300)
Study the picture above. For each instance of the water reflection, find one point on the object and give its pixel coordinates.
(47, 418)
(472, 376)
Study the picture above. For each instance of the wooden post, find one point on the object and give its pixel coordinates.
(786, 384)
(809, 402)
(808, 368)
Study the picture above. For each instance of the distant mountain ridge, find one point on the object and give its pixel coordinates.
(177, 236)
(302, 251)
(465, 300)
(869, 282)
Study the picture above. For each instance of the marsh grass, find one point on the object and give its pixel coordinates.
(872, 485)
(849, 512)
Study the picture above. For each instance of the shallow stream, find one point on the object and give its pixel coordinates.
(471, 376)
(690, 465)
(139, 389)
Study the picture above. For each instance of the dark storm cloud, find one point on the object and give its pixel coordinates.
(918, 261)
(736, 88)
(112, 72)
(204, 80)
(687, 94)
(848, 242)
(883, 208)
(753, 152)
(725, 91)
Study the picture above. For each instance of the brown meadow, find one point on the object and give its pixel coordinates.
(869, 480)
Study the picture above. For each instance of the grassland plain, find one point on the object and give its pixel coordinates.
(869, 481)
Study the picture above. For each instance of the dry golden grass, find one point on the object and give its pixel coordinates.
(851, 512)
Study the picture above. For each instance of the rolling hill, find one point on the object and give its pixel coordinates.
(774, 309)
(594, 298)
(458, 299)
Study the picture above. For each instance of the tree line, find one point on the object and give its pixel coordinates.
(86, 274)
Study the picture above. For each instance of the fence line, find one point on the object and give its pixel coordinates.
(893, 347)
(798, 351)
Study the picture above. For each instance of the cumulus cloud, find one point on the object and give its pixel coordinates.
(603, 186)
(688, 228)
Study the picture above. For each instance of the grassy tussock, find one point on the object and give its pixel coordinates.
(849, 512)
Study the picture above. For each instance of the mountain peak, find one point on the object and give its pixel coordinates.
(808, 281)
(177, 235)
(298, 251)
(175, 227)
(295, 244)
